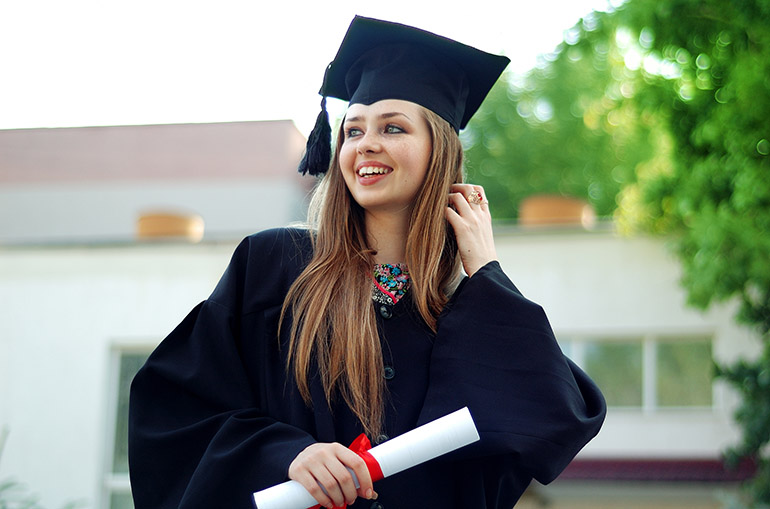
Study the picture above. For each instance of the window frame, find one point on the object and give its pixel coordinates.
(575, 344)
(116, 482)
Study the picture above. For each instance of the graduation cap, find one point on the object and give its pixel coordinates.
(383, 60)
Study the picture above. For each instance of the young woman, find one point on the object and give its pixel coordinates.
(388, 311)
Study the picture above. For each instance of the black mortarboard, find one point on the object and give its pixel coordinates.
(383, 60)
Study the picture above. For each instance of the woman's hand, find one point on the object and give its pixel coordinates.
(324, 464)
(468, 213)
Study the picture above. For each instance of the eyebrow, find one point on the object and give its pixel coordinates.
(387, 115)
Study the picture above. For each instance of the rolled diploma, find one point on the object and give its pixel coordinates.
(423, 443)
(426, 442)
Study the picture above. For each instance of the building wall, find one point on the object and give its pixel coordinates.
(603, 284)
(91, 184)
(63, 310)
(108, 211)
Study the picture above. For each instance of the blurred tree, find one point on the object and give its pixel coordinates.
(709, 75)
(567, 127)
(657, 112)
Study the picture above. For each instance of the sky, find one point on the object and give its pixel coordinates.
(67, 63)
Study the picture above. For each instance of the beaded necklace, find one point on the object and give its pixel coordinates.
(391, 281)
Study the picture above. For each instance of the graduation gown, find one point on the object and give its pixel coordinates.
(214, 416)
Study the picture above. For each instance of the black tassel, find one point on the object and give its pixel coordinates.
(318, 152)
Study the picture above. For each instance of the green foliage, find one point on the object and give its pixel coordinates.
(753, 380)
(712, 85)
(717, 196)
(565, 128)
(658, 113)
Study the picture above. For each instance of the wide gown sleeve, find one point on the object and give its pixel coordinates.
(199, 436)
(495, 352)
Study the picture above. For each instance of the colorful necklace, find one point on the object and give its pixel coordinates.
(390, 282)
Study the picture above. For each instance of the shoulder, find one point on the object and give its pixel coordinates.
(266, 263)
(490, 285)
(278, 245)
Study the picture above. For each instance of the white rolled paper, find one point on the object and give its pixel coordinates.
(426, 442)
(400, 453)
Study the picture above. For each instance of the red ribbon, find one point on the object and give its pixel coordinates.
(361, 446)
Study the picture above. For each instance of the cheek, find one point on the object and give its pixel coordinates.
(347, 158)
(421, 163)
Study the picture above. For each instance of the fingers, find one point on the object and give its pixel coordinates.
(468, 202)
(357, 467)
(474, 195)
(468, 214)
(329, 472)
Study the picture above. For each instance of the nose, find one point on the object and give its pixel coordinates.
(369, 142)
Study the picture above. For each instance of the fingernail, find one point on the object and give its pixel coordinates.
(369, 493)
(374, 495)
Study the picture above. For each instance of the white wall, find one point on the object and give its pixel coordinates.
(63, 308)
(601, 284)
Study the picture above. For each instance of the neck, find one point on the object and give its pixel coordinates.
(387, 235)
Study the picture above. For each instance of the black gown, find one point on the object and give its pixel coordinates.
(214, 416)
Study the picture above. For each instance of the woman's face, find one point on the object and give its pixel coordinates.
(385, 154)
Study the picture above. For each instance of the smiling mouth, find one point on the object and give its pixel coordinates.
(368, 171)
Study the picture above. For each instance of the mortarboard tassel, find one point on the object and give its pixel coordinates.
(318, 152)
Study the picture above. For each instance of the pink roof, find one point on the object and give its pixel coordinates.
(151, 152)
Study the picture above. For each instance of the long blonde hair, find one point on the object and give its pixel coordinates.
(330, 302)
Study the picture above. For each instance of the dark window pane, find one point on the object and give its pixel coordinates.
(684, 373)
(129, 365)
(616, 367)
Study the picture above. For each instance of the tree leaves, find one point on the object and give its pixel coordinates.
(657, 113)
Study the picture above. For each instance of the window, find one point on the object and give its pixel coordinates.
(616, 367)
(684, 372)
(125, 364)
(650, 372)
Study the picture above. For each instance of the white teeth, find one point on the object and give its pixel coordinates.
(372, 170)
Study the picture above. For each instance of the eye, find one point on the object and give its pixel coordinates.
(352, 132)
(393, 129)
